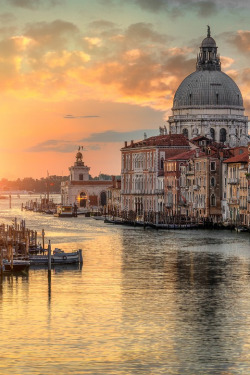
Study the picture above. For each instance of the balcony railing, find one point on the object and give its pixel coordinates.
(159, 191)
(233, 201)
(233, 180)
(169, 205)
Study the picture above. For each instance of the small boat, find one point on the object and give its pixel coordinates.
(66, 211)
(18, 265)
(241, 229)
(58, 257)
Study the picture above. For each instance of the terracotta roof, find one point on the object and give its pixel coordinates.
(183, 156)
(161, 140)
(236, 150)
(199, 138)
(242, 158)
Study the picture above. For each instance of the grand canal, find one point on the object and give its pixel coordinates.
(144, 302)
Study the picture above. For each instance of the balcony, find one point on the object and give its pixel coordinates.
(196, 187)
(233, 180)
(233, 201)
(169, 205)
(159, 191)
(182, 204)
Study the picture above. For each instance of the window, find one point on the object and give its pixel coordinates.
(223, 135)
(212, 133)
(213, 200)
(185, 133)
(213, 166)
(212, 181)
(162, 163)
(80, 177)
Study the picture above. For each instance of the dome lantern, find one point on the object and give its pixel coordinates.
(208, 59)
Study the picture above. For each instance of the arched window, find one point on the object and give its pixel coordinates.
(213, 200)
(223, 135)
(212, 181)
(185, 132)
(212, 133)
(103, 198)
(80, 177)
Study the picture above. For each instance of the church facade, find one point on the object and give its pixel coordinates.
(81, 191)
(209, 103)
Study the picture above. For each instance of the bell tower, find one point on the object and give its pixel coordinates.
(79, 171)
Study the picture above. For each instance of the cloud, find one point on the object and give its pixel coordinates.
(241, 40)
(51, 35)
(136, 65)
(55, 145)
(76, 117)
(203, 8)
(111, 136)
(33, 4)
(7, 18)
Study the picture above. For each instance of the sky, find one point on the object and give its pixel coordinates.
(98, 73)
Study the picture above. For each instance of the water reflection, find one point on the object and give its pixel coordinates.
(144, 302)
(189, 304)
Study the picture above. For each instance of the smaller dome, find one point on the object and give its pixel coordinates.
(208, 42)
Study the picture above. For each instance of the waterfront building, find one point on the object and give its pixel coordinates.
(82, 191)
(141, 172)
(209, 103)
(248, 188)
(114, 197)
(176, 183)
(237, 187)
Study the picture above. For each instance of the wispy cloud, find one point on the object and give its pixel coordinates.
(111, 136)
(203, 8)
(33, 4)
(75, 117)
(56, 145)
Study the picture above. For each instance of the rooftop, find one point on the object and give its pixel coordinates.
(241, 158)
(170, 140)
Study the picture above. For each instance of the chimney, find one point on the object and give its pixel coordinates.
(125, 144)
(132, 143)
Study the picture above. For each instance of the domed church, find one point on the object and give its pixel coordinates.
(209, 103)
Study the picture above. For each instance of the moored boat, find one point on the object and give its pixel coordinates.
(66, 211)
(58, 257)
(17, 266)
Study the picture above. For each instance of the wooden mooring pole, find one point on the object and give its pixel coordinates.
(49, 257)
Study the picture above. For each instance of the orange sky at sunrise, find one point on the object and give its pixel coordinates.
(96, 74)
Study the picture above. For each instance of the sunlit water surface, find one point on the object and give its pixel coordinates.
(144, 302)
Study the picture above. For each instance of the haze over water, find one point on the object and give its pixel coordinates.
(144, 302)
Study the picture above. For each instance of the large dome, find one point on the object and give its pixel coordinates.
(208, 89)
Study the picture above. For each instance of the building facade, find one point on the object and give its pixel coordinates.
(142, 166)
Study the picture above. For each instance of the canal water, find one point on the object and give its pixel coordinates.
(144, 302)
